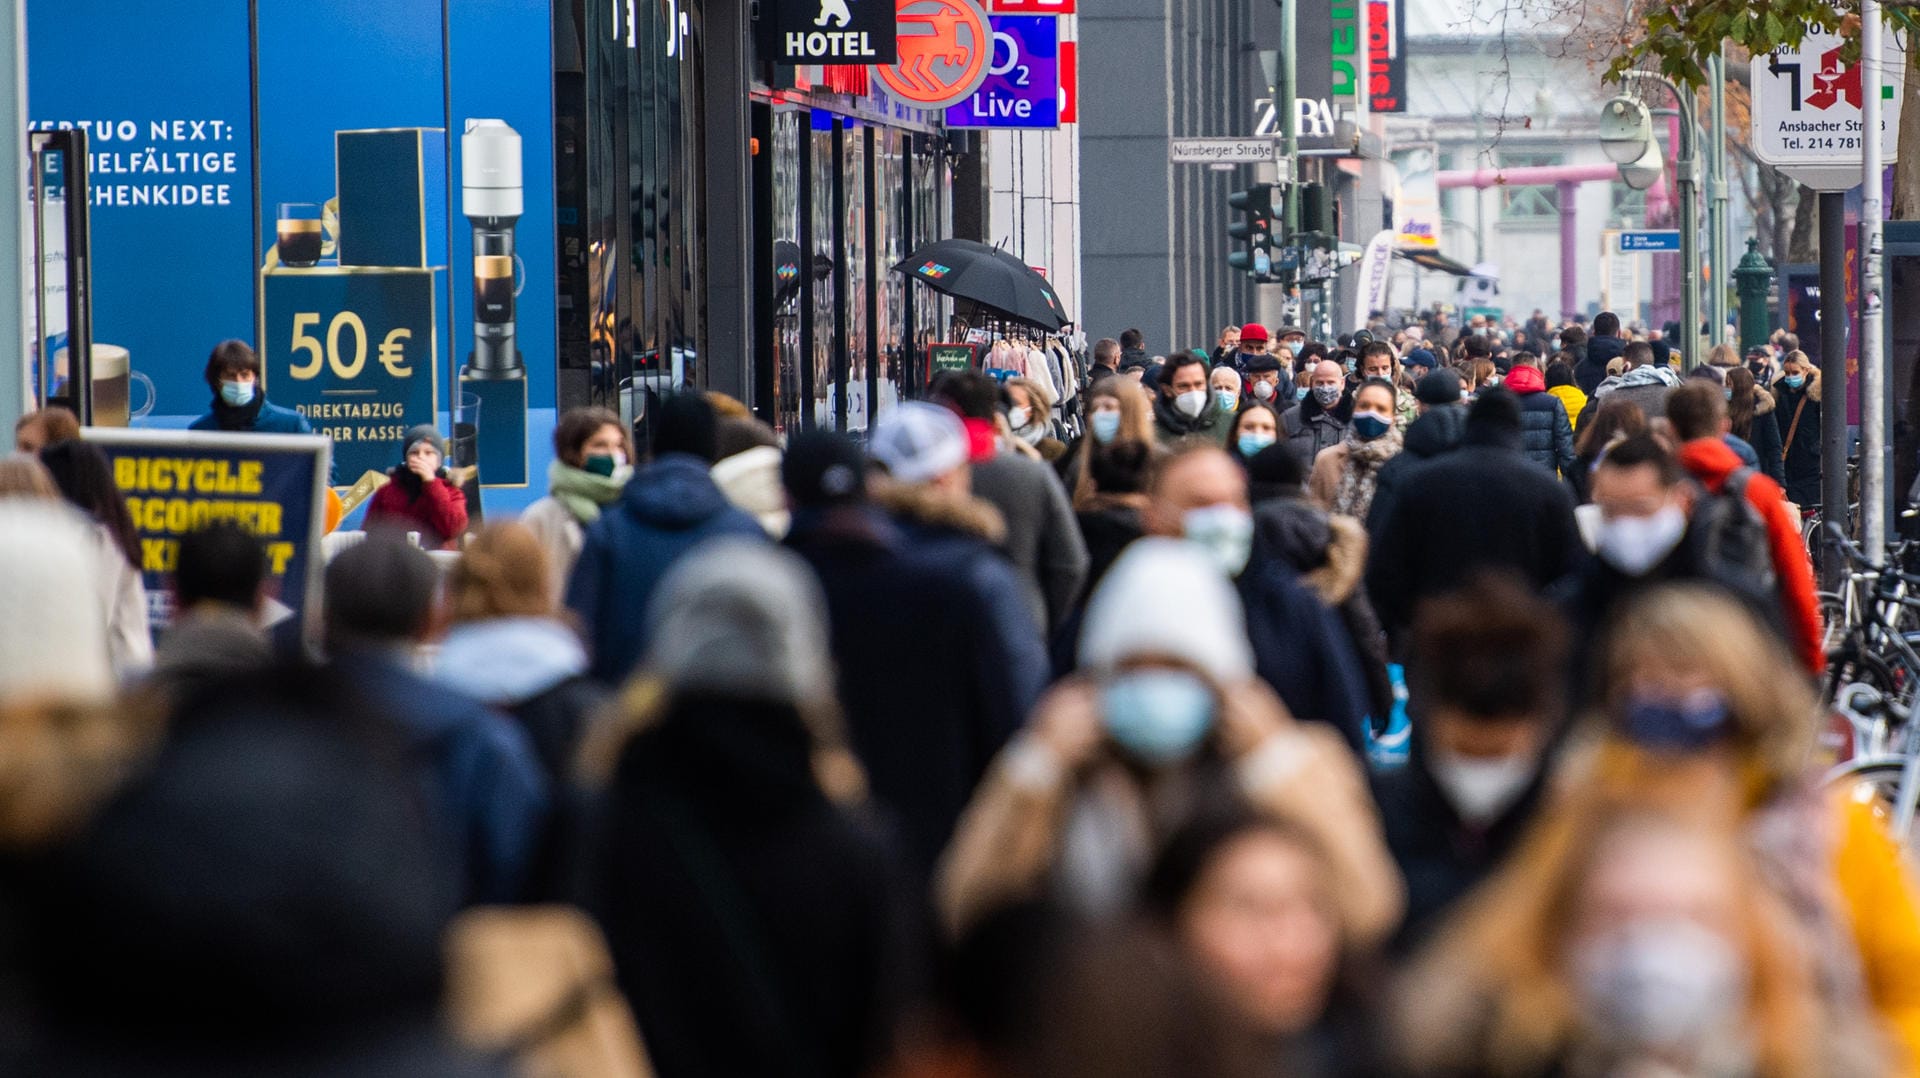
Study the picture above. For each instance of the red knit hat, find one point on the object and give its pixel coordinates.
(1253, 331)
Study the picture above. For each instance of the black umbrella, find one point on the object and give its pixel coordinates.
(990, 277)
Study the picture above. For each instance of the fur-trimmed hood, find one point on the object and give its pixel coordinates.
(922, 505)
(1763, 402)
(1336, 580)
(1812, 389)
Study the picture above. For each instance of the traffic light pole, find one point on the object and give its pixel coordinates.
(1289, 115)
(1717, 255)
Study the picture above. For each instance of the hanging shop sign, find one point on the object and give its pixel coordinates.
(944, 48)
(1022, 87)
(1346, 48)
(1069, 82)
(834, 32)
(1036, 7)
(1416, 206)
(1386, 56)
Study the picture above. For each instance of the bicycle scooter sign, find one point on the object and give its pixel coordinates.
(944, 47)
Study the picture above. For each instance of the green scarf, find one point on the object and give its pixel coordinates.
(582, 492)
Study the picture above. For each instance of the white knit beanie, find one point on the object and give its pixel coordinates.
(751, 481)
(1166, 597)
(53, 631)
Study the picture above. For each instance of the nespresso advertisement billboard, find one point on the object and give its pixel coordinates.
(240, 164)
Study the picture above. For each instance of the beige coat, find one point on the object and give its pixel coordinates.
(1009, 840)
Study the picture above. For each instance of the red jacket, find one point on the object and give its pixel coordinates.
(439, 513)
(1711, 462)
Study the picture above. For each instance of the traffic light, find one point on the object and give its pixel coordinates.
(1255, 229)
(1318, 210)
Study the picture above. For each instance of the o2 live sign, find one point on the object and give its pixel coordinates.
(1022, 84)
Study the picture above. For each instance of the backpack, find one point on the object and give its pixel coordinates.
(1729, 537)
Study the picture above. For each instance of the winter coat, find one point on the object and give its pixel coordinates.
(1482, 506)
(1346, 476)
(1441, 856)
(669, 507)
(938, 657)
(531, 668)
(1592, 368)
(1041, 538)
(1763, 434)
(1546, 434)
(575, 499)
(1303, 651)
(1108, 524)
(437, 510)
(1329, 553)
(1032, 819)
(1645, 386)
(1710, 462)
(122, 594)
(1311, 428)
(1171, 427)
(756, 926)
(1437, 432)
(1573, 400)
(475, 770)
(269, 418)
(1802, 452)
(206, 643)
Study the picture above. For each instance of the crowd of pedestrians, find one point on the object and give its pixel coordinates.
(1018, 737)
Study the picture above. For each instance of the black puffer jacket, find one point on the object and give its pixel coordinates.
(1592, 369)
(1546, 432)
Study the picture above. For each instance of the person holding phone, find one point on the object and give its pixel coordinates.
(418, 496)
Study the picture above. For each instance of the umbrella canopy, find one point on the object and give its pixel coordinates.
(990, 277)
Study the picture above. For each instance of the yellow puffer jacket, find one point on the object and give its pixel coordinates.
(1575, 401)
(1883, 905)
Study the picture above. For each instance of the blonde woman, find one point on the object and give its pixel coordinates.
(1116, 411)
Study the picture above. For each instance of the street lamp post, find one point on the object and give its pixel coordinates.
(1685, 166)
(1718, 257)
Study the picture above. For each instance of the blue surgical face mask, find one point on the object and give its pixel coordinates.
(1369, 426)
(1300, 394)
(1795, 381)
(1105, 426)
(238, 394)
(1254, 443)
(1159, 717)
(1228, 401)
(1688, 724)
(1224, 531)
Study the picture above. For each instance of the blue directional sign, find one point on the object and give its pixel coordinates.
(1650, 239)
(1022, 87)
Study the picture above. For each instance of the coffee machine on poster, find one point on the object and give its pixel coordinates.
(491, 197)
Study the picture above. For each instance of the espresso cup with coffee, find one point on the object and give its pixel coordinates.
(113, 378)
(297, 233)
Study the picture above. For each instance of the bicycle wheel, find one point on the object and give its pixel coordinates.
(1875, 784)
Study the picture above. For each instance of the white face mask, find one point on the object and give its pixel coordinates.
(1478, 788)
(1634, 545)
(1224, 531)
(1191, 404)
(1660, 984)
(1016, 418)
(1263, 391)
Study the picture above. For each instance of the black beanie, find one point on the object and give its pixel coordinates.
(823, 468)
(684, 423)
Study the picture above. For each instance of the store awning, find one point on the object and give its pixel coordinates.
(1435, 261)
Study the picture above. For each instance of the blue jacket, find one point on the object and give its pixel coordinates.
(272, 419)
(480, 782)
(1302, 651)
(669, 507)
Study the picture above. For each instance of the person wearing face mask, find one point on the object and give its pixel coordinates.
(418, 496)
(1229, 344)
(1115, 411)
(1030, 417)
(592, 461)
(1633, 940)
(1320, 420)
(1255, 428)
(239, 404)
(1250, 341)
(1268, 380)
(1225, 383)
(1378, 360)
(1300, 647)
(1646, 505)
(1166, 715)
(1796, 413)
(1183, 407)
(1489, 710)
(1344, 475)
